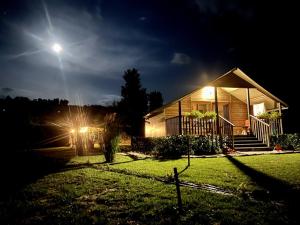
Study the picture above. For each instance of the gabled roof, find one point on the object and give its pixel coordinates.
(235, 78)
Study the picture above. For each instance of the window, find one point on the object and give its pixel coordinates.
(202, 107)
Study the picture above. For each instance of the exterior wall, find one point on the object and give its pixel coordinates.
(172, 110)
(238, 114)
(155, 126)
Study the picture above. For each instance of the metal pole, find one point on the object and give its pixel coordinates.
(178, 190)
(189, 150)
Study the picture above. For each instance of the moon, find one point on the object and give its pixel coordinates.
(56, 47)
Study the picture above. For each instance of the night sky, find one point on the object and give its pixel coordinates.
(175, 45)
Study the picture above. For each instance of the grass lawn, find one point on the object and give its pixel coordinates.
(93, 195)
(216, 171)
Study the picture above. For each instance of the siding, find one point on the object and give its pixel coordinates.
(155, 126)
(172, 110)
(238, 114)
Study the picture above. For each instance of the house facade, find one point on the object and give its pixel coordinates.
(237, 101)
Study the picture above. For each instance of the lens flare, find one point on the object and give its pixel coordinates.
(57, 48)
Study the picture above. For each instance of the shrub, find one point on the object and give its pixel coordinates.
(198, 114)
(176, 146)
(111, 137)
(287, 141)
(264, 115)
(210, 115)
(272, 115)
(195, 114)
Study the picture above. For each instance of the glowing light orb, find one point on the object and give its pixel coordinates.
(57, 48)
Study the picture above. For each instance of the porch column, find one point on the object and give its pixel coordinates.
(179, 117)
(280, 120)
(248, 103)
(217, 110)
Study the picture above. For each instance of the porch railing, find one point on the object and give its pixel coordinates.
(198, 126)
(201, 127)
(260, 129)
(275, 126)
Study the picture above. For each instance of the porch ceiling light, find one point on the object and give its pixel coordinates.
(208, 92)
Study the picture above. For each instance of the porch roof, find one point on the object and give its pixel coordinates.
(235, 78)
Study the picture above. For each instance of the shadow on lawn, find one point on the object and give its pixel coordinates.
(277, 189)
(21, 168)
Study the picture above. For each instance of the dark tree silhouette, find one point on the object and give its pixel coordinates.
(133, 105)
(155, 100)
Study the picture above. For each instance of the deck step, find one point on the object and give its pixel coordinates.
(249, 143)
(265, 148)
(242, 141)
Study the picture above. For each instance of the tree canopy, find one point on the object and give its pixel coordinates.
(134, 103)
(155, 100)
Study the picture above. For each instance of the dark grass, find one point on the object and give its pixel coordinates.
(46, 189)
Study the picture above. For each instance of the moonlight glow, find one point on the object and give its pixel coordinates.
(57, 48)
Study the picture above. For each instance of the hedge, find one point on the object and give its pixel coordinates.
(287, 141)
(175, 146)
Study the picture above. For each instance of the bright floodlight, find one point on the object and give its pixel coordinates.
(83, 129)
(57, 48)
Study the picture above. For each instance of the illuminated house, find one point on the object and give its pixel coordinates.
(238, 102)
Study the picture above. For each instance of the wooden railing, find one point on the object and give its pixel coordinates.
(198, 126)
(260, 129)
(275, 126)
(201, 127)
(189, 125)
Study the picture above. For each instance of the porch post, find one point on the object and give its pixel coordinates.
(248, 108)
(248, 103)
(179, 117)
(217, 110)
(280, 120)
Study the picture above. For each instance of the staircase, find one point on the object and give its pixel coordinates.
(249, 143)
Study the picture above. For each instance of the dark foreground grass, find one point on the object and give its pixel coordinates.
(91, 196)
(82, 190)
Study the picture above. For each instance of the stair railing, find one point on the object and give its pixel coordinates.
(260, 129)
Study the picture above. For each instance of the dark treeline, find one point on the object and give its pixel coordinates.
(26, 123)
